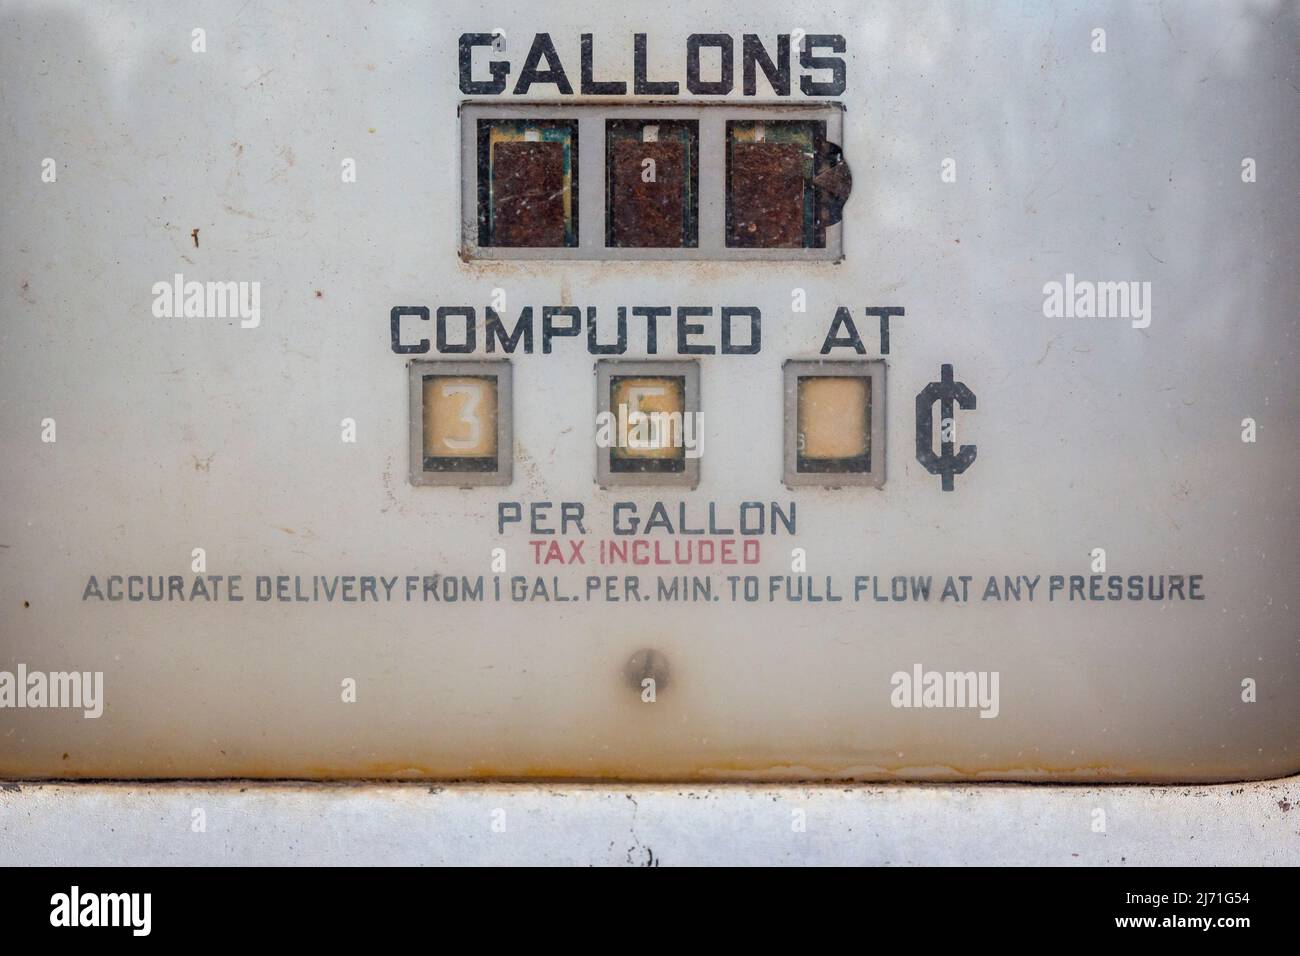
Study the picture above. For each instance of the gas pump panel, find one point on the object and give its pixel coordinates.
(719, 392)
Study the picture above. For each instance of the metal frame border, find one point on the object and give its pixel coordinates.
(605, 369)
(501, 370)
(712, 117)
(794, 369)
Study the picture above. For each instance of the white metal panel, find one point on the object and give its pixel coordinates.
(175, 434)
(649, 825)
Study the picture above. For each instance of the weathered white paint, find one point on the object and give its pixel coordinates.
(408, 824)
(176, 434)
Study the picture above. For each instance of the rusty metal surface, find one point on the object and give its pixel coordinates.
(528, 194)
(767, 195)
(648, 212)
(705, 123)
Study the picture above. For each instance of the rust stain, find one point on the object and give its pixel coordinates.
(767, 195)
(647, 664)
(528, 191)
(390, 498)
(648, 211)
(633, 772)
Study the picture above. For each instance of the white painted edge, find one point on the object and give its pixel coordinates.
(315, 824)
